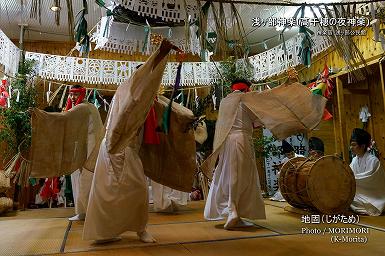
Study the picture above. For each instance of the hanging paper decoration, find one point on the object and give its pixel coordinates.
(17, 95)
(104, 32)
(214, 98)
(165, 126)
(49, 91)
(106, 105)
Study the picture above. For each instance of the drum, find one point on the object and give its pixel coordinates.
(326, 185)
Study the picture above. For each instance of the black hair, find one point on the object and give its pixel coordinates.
(76, 86)
(287, 147)
(316, 144)
(245, 81)
(361, 136)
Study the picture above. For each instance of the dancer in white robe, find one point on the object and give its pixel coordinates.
(119, 194)
(369, 174)
(81, 179)
(235, 191)
(166, 199)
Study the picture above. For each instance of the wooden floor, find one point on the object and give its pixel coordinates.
(48, 232)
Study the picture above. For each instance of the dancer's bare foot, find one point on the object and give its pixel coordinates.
(237, 223)
(146, 237)
(231, 223)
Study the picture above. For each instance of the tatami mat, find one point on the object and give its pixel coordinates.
(275, 203)
(37, 232)
(376, 222)
(285, 222)
(40, 213)
(31, 237)
(152, 250)
(189, 213)
(167, 234)
(298, 245)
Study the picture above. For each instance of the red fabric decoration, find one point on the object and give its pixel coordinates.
(150, 135)
(327, 116)
(80, 98)
(3, 102)
(240, 87)
(50, 189)
(3, 93)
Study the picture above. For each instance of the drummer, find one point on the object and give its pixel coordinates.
(369, 174)
(288, 151)
(316, 148)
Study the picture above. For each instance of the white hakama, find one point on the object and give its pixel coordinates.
(235, 189)
(166, 199)
(370, 185)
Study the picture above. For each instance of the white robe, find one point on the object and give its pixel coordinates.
(118, 199)
(235, 188)
(81, 184)
(370, 185)
(278, 195)
(81, 179)
(166, 199)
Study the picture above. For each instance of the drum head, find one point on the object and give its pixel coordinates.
(288, 181)
(331, 185)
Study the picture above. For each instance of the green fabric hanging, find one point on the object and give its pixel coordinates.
(307, 42)
(101, 3)
(95, 100)
(165, 125)
(81, 33)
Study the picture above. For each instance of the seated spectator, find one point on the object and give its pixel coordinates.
(369, 174)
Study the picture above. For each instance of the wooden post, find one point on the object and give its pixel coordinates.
(382, 81)
(342, 119)
(336, 118)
